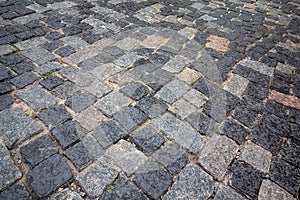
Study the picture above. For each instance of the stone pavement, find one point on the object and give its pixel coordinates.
(149, 99)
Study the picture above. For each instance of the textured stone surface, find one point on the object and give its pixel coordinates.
(9, 172)
(236, 85)
(80, 101)
(182, 108)
(96, 178)
(152, 106)
(16, 192)
(49, 175)
(15, 126)
(233, 130)
(54, 115)
(126, 156)
(5, 101)
(195, 97)
(135, 90)
(38, 55)
(24, 79)
(201, 122)
(270, 190)
(192, 183)
(66, 194)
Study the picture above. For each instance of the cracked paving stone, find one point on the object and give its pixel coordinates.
(217, 154)
(245, 178)
(67, 133)
(23, 80)
(153, 179)
(285, 175)
(290, 152)
(36, 97)
(124, 155)
(192, 183)
(182, 108)
(54, 116)
(108, 133)
(152, 106)
(123, 190)
(16, 192)
(39, 55)
(65, 90)
(148, 139)
(38, 150)
(112, 103)
(201, 122)
(225, 192)
(135, 90)
(80, 101)
(172, 91)
(233, 130)
(9, 171)
(49, 175)
(270, 190)
(95, 179)
(182, 133)
(66, 194)
(15, 126)
(172, 157)
(130, 118)
(51, 82)
(79, 156)
(5, 101)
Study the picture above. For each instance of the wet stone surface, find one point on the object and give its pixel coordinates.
(149, 99)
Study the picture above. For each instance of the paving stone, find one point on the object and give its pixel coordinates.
(168, 94)
(192, 183)
(113, 50)
(225, 192)
(258, 91)
(290, 152)
(14, 121)
(245, 178)
(126, 60)
(51, 82)
(269, 190)
(152, 106)
(217, 154)
(23, 80)
(256, 156)
(285, 175)
(16, 192)
(108, 133)
(48, 68)
(123, 190)
(188, 75)
(36, 97)
(54, 115)
(65, 51)
(79, 156)
(38, 55)
(236, 85)
(293, 116)
(182, 108)
(11, 59)
(233, 130)
(75, 42)
(275, 123)
(104, 58)
(5, 87)
(147, 139)
(5, 101)
(130, 118)
(80, 101)
(112, 103)
(6, 49)
(38, 150)
(127, 44)
(182, 133)
(201, 122)
(157, 79)
(90, 118)
(175, 64)
(67, 133)
(153, 41)
(31, 43)
(195, 97)
(79, 77)
(49, 175)
(258, 66)
(4, 73)
(153, 179)
(105, 71)
(23, 67)
(135, 90)
(245, 116)
(9, 171)
(276, 109)
(66, 194)
(124, 155)
(65, 90)
(92, 146)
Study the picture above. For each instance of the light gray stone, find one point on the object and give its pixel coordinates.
(66, 194)
(6, 49)
(105, 71)
(226, 193)
(48, 68)
(79, 77)
(182, 108)
(38, 55)
(126, 60)
(258, 66)
(196, 98)
(31, 43)
(74, 42)
(236, 84)
(176, 64)
(217, 154)
(271, 191)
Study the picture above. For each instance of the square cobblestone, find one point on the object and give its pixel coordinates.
(98, 88)
(130, 118)
(65, 51)
(9, 171)
(201, 123)
(23, 80)
(112, 103)
(135, 90)
(16, 192)
(49, 175)
(157, 79)
(51, 82)
(5, 101)
(124, 155)
(38, 150)
(189, 76)
(92, 145)
(79, 156)
(108, 133)
(48, 68)
(80, 101)
(65, 90)
(245, 116)
(15, 121)
(66, 194)
(23, 67)
(38, 55)
(175, 64)
(54, 116)
(182, 108)
(236, 85)
(225, 192)
(5, 87)
(153, 179)
(126, 60)
(270, 190)
(234, 130)
(152, 106)
(36, 97)
(95, 179)
(217, 154)
(290, 152)
(67, 133)
(196, 98)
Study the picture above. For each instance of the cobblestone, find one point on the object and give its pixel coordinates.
(16, 192)
(54, 115)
